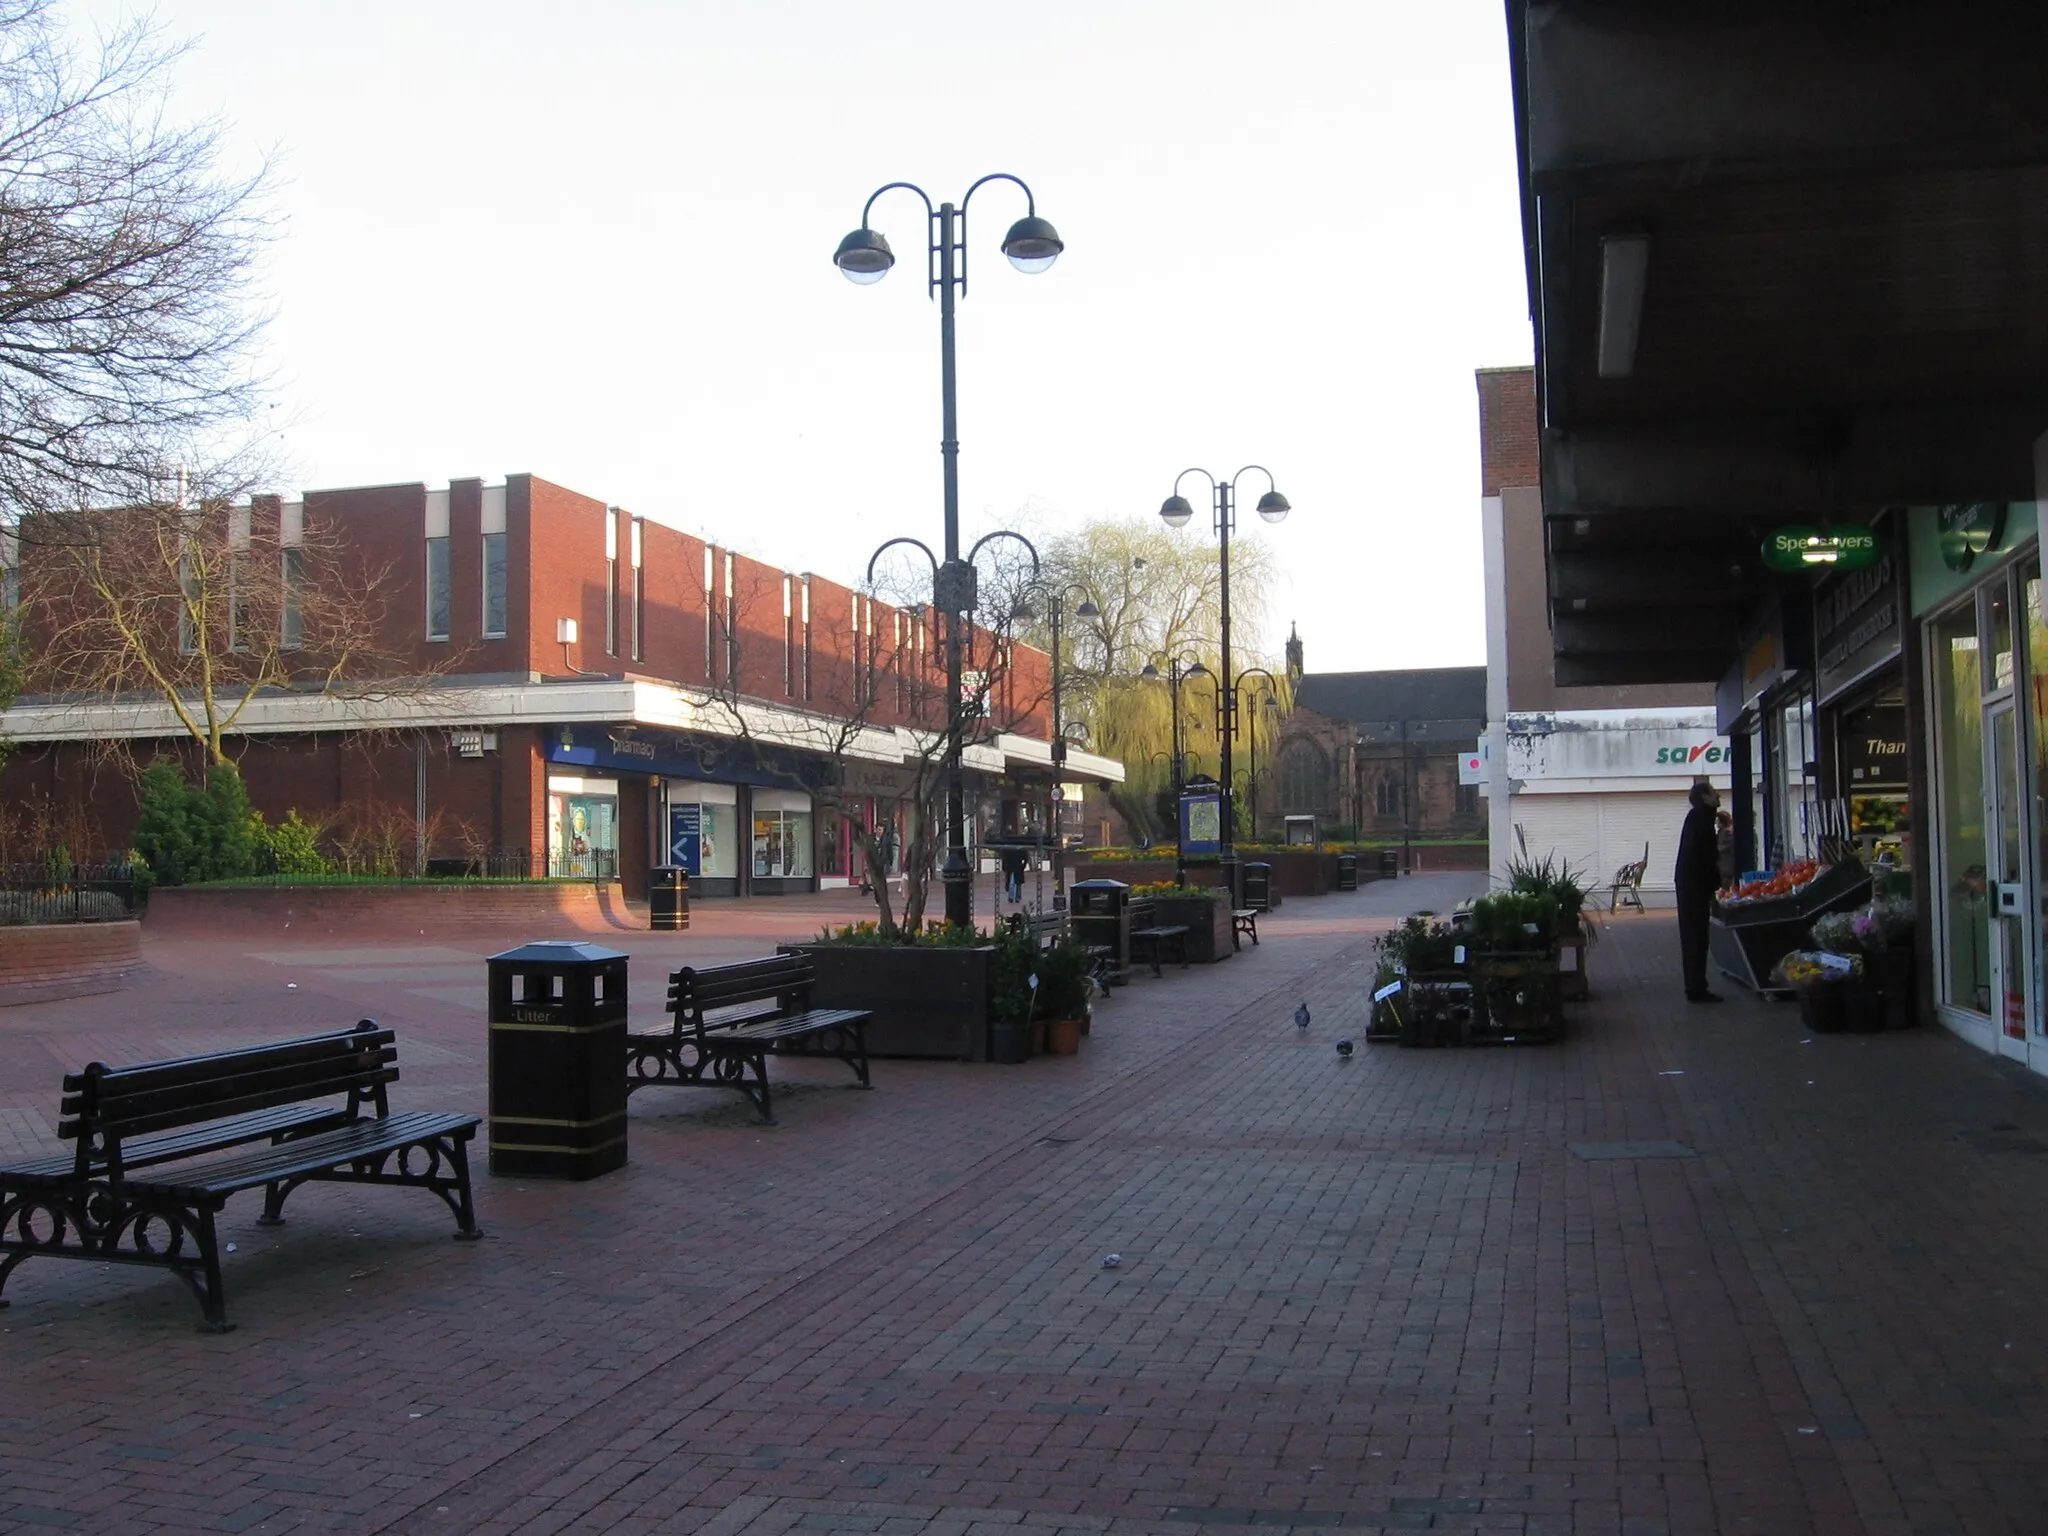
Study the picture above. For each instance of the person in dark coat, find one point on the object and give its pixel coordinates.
(1697, 876)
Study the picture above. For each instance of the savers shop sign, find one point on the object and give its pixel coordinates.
(1709, 752)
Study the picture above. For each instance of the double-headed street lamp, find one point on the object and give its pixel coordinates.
(1177, 672)
(1175, 510)
(864, 256)
(1251, 736)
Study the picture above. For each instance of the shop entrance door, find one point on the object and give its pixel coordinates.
(2011, 965)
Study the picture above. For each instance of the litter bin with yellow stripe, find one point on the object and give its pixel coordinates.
(557, 1060)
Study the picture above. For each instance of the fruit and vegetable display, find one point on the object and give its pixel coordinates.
(1788, 880)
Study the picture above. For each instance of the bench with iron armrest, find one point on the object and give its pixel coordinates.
(730, 1018)
(1244, 921)
(1154, 936)
(161, 1147)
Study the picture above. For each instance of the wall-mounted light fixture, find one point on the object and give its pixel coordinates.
(1624, 266)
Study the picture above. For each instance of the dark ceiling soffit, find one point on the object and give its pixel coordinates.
(1691, 93)
(1649, 630)
(1622, 669)
(1971, 451)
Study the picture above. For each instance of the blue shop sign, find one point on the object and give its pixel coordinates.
(674, 757)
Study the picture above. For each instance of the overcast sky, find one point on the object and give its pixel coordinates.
(593, 242)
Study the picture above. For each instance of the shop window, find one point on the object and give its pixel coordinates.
(782, 845)
(583, 836)
(1963, 952)
(1468, 799)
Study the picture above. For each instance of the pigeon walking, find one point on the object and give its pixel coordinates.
(1301, 1017)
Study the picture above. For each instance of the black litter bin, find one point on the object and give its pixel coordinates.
(668, 898)
(1390, 863)
(558, 1060)
(1258, 886)
(1099, 916)
(1347, 871)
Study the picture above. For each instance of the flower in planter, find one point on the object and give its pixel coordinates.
(1804, 968)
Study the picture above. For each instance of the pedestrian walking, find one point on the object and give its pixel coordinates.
(1697, 876)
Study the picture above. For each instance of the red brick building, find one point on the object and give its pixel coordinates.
(595, 691)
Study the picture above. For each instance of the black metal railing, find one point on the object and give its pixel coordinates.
(66, 891)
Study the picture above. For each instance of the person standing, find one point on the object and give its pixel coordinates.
(1697, 876)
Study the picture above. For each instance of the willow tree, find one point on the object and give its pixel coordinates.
(1156, 597)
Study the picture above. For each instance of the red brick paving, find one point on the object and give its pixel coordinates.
(1384, 1292)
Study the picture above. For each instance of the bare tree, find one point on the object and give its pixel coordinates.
(202, 602)
(880, 731)
(125, 263)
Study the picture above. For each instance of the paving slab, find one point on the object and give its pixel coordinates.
(1687, 1271)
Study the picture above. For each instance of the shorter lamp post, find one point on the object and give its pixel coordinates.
(1271, 706)
(1056, 602)
(1177, 672)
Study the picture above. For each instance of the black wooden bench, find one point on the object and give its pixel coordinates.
(1155, 936)
(730, 1018)
(1047, 929)
(1244, 921)
(161, 1147)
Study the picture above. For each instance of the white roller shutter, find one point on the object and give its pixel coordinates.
(1600, 833)
(1561, 826)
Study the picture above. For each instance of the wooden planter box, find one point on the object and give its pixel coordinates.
(1207, 921)
(931, 1003)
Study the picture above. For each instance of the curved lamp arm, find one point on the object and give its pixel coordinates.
(1004, 533)
(885, 548)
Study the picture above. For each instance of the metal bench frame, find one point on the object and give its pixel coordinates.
(730, 1018)
(202, 1128)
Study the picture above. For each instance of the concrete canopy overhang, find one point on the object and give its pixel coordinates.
(1843, 305)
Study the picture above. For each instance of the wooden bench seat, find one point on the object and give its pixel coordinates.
(161, 1147)
(730, 1018)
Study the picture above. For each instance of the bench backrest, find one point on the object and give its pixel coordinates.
(103, 1104)
(695, 991)
(1144, 913)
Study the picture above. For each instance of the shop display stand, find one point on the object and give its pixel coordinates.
(1746, 942)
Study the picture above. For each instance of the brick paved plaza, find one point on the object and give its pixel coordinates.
(1418, 1290)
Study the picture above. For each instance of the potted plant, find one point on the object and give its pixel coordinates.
(1061, 984)
(1422, 993)
(1884, 932)
(1514, 971)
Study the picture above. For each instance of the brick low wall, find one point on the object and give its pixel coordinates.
(541, 907)
(44, 961)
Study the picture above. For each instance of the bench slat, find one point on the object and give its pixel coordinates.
(175, 1115)
(311, 1154)
(147, 1151)
(177, 1069)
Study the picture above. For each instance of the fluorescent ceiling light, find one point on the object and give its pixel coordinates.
(1624, 263)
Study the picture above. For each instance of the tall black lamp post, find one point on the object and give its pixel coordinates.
(1055, 599)
(1178, 672)
(1251, 737)
(1176, 511)
(864, 256)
